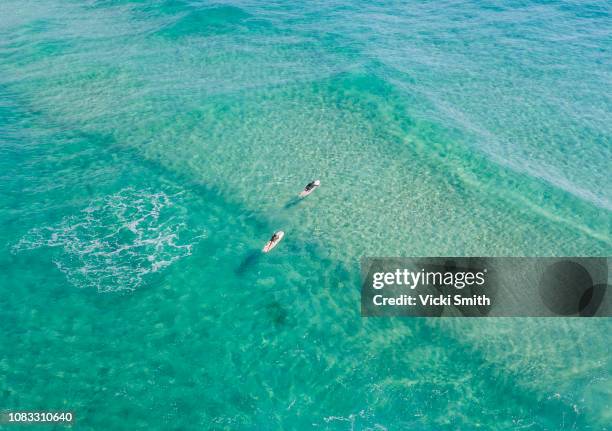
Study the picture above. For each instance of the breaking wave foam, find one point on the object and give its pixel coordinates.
(117, 240)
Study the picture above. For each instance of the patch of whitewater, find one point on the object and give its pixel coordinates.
(117, 240)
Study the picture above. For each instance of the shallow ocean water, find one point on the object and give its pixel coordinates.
(148, 150)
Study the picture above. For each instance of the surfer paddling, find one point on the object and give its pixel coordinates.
(310, 188)
(276, 238)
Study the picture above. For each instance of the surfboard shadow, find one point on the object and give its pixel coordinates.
(249, 261)
(292, 202)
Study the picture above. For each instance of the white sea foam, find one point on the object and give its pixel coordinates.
(116, 241)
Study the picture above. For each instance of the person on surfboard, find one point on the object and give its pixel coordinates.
(309, 188)
(311, 185)
(273, 241)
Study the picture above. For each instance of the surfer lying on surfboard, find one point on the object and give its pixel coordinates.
(310, 188)
(273, 241)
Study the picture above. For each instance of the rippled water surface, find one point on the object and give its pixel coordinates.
(149, 149)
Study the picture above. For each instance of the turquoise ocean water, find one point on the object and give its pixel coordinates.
(149, 149)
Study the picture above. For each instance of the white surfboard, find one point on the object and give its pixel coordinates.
(305, 192)
(271, 244)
